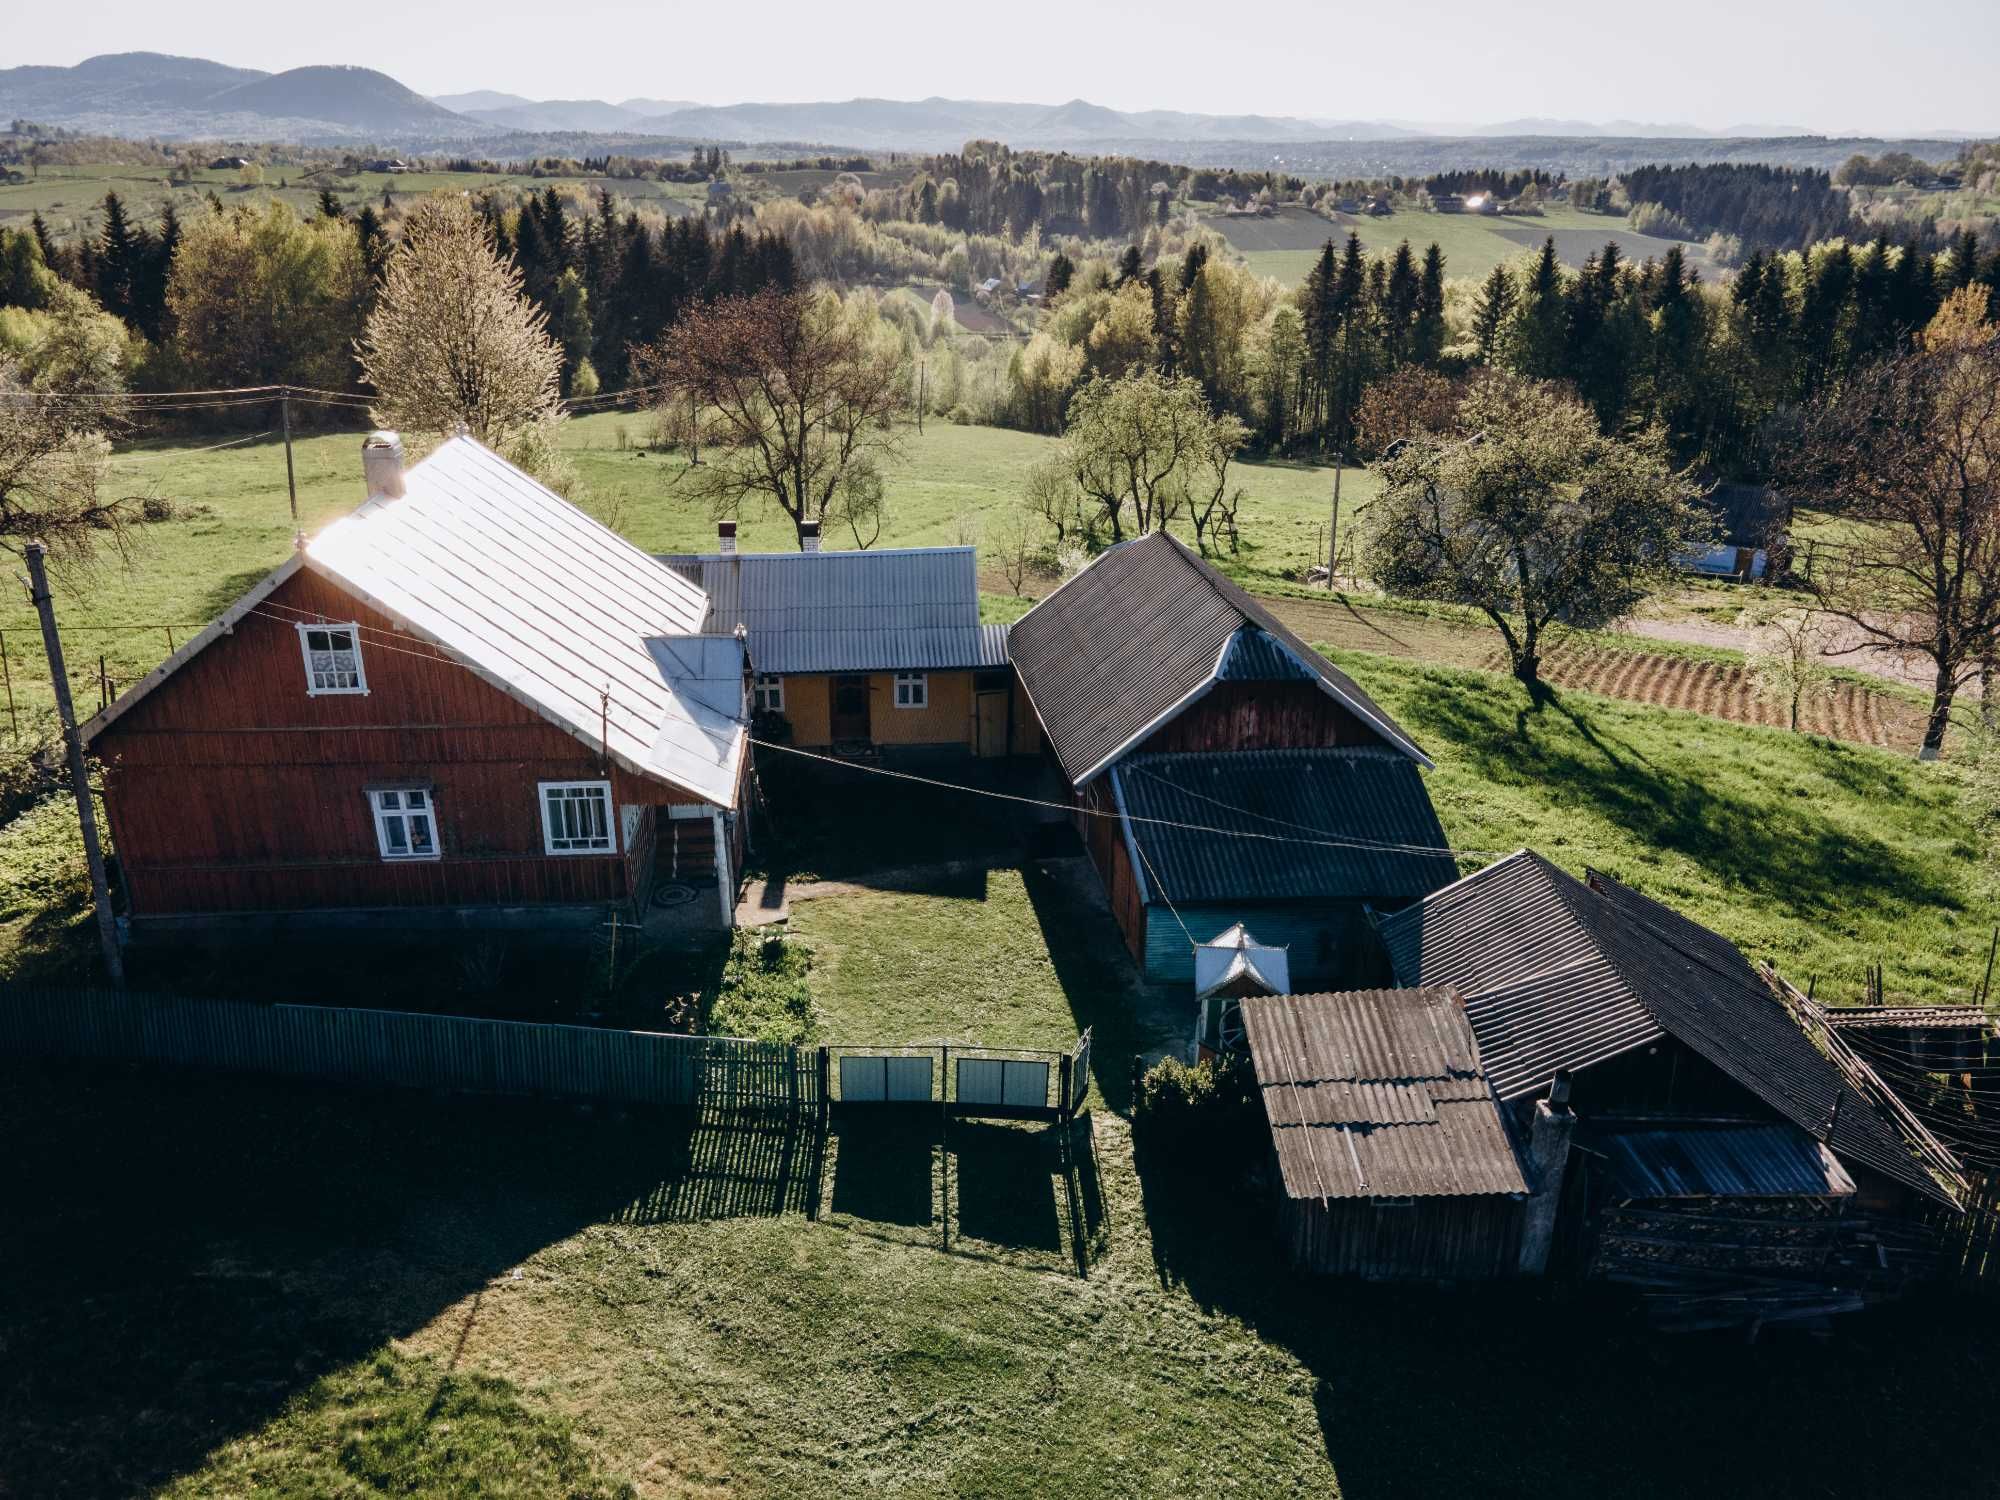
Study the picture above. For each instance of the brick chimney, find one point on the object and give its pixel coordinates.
(809, 536)
(725, 537)
(382, 465)
(1548, 1155)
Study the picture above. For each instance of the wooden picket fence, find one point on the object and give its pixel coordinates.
(405, 1049)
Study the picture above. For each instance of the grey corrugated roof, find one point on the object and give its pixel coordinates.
(1378, 1094)
(1133, 638)
(1732, 1161)
(905, 609)
(1370, 803)
(1557, 974)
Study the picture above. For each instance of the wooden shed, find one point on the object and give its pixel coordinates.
(1394, 1160)
(1729, 1163)
(1167, 695)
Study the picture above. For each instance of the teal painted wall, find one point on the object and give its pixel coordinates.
(1330, 945)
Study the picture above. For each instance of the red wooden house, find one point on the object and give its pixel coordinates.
(465, 704)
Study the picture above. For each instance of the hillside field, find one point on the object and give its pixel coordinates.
(72, 198)
(1285, 245)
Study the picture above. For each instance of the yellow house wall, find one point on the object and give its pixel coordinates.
(946, 719)
(809, 706)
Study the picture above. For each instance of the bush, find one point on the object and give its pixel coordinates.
(1204, 1115)
(763, 993)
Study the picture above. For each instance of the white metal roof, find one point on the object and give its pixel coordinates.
(534, 596)
(908, 609)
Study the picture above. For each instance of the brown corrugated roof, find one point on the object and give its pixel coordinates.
(1136, 636)
(1378, 1094)
(1558, 974)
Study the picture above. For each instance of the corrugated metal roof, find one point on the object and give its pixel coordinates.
(905, 609)
(1378, 1094)
(533, 596)
(1732, 1161)
(1124, 645)
(1371, 803)
(1557, 974)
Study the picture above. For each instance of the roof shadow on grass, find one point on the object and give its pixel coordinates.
(186, 1253)
(1783, 850)
(1532, 1389)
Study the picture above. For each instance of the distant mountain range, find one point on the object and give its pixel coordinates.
(150, 94)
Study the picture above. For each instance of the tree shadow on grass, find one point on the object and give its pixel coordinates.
(1781, 849)
(184, 1253)
(1537, 1390)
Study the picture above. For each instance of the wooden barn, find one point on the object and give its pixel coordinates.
(1167, 696)
(1729, 1167)
(464, 704)
(878, 651)
(1394, 1158)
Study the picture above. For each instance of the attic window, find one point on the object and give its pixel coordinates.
(913, 690)
(333, 659)
(576, 817)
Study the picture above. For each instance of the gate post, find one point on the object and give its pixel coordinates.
(1062, 1084)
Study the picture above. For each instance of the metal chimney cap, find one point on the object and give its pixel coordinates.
(382, 464)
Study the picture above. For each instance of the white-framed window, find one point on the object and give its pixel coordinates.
(576, 818)
(333, 659)
(405, 822)
(768, 693)
(913, 690)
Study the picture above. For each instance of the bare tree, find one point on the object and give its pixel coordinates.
(1011, 542)
(1051, 493)
(1207, 498)
(1792, 670)
(453, 339)
(797, 393)
(54, 465)
(1909, 456)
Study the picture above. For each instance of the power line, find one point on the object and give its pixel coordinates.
(1068, 808)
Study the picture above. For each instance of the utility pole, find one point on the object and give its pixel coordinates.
(1333, 535)
(86, 813)
(694, 429)
(291, 484)
(923, 370)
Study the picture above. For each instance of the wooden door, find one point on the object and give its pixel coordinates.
(991, 737)
(849, 718)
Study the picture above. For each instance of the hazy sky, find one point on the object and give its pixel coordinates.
(1830, 65)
